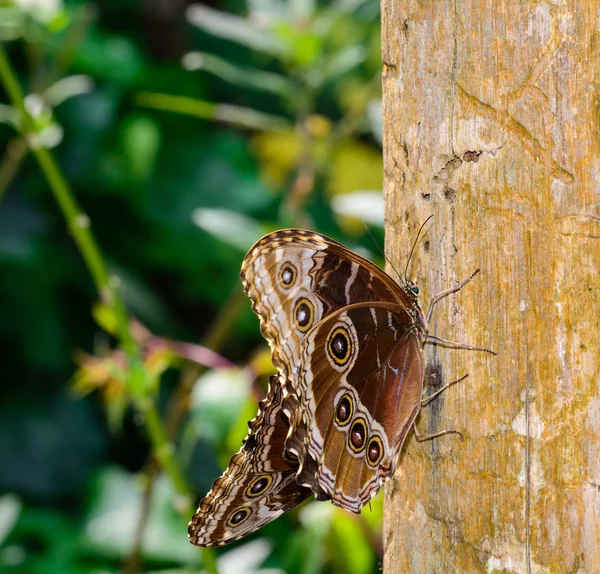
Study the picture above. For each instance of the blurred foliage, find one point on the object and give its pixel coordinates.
(184, 132)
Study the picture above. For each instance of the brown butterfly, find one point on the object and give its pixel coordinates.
(347, 341)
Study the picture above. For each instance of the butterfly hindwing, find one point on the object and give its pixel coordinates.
(360, 390)
(259, 484)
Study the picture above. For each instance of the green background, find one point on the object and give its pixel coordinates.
(184, 132)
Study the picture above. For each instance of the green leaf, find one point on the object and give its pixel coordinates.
(301, 10)
(355, 166)
(10, 508)
(217, 399)
(351, 550)
(349, 6)
(234, 115)
(246, 559)
(238, 76)
(114, 514)
(141, 141)
(9, 116)
(375, 118)
(68, 87)
(105, 317)
(345, 61)
(110, 57)
(12, 23)
(235, 29)
(308, 549)
(230, 227)
(366, 206)
(303, 44)
(239, 429)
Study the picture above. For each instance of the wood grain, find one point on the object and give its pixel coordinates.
(492, 119)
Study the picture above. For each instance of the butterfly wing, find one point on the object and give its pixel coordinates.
(300, 283)
(295, 278)
(360, 389)
(259, 484)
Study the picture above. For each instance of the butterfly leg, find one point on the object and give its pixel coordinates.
(437, 298)
(455, 345)
(427, 400)
(424, 437)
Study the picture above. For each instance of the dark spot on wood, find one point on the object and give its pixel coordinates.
(450, 194)
(434, 376)
(472, 156)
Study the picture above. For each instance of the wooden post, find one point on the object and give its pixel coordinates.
(492, 123)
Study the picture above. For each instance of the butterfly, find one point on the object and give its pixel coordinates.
(347, 341)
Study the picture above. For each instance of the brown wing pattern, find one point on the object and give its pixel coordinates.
(346, 341)
(259, 484)
(295, 278)
(360, 390)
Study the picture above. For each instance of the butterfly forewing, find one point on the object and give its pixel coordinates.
(259, 484)
(295, 278)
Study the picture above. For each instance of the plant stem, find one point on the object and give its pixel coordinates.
(178, 405)
(16, 152)
(162, 450)
(79, 225)
(77, 221)
(209, 560)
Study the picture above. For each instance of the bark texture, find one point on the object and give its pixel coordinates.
(492, 123)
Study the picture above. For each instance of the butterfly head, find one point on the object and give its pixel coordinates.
(410, 285)
(412, 291)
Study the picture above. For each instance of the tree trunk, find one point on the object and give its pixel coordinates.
(492, 121)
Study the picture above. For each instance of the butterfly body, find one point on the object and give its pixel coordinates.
(347, 341)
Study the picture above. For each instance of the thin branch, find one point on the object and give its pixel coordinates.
(214, 339)
(133, 563)
(16, 152)
(17, 148)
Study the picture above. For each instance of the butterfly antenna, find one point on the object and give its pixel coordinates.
(381, 250)
(413, 248)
